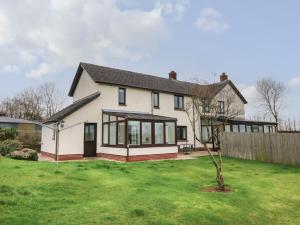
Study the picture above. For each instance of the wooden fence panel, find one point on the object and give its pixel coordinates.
(283, 148)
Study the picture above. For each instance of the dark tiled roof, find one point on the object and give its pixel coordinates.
(139, 116)
(72, 108)
(101, 74)
(245, 121)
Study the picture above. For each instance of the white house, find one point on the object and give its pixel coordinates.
(129, 116)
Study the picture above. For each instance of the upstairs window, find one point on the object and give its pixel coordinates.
(178, 102)
(122, 96)
(155, 100)
(221, 107)
(205, 107)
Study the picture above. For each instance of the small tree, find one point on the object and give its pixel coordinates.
(214, 111)
(272, 95)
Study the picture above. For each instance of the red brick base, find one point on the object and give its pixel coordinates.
(121, 158)
(136, 158)
(63, 157)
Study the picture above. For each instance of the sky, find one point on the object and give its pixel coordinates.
(43, 41)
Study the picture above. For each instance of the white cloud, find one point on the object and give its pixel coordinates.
(210, 20)
(294, 82)
(50, 35)
(42, 70)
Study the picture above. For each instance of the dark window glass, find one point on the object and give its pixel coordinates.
(221, 107)
(181, 133)
(122, 96)
(178, 102)
(155, 99)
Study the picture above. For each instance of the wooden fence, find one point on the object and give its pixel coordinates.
(283, 148)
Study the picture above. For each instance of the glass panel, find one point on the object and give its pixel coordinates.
(159, 133)
(113, 118)
(227, 128)
(242, 128)
(121, 133)
(206, 133)
(170, 133)
(235, 128)
(134, 132)
(178, 102)
(255, 128)
(112, 133)
(105, 118)
(155, 99)
(261, 129)
(121, 96)
(249, 129)
(105, 134)
(267, 129)
(146, 133)
(89, 132)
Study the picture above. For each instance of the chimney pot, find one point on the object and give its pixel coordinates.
(173, 75)
(223, 77)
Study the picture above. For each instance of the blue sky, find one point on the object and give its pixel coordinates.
(250, 40)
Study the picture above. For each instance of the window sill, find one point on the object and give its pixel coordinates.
(182, 140)
(178, 109)
(122, 104)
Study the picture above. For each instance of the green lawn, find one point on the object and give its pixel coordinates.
(165, 192)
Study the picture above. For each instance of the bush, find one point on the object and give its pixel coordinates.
(8, 134)
(24, 154)
(8, 146)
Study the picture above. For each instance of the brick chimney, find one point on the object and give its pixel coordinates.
(173, 75)
(223, 77)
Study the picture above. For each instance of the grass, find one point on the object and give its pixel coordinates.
(165, 192)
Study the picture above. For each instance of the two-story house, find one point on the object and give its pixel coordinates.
(129, 116)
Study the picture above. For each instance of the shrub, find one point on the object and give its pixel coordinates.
(8, 133)
(8, 146)
(24, 154)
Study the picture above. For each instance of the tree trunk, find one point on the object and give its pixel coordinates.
(218, 165)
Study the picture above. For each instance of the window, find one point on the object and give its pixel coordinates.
(159, 133)
(112, 133)
(206, 134)
(242, 128)
(122, 96)
(221, 107)
(146, 133)
(205, 108)
(249, 129)
(121, 133)
(261, 129)
(255, 129)
(170, 132)
(178, 102)
(235, 128)
(155, 100)
(105, 134)
(117, 131)
(181, 133)
(134, 132)
(227, 128)
(89, 132)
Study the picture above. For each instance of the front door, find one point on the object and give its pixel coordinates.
(90, 139)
